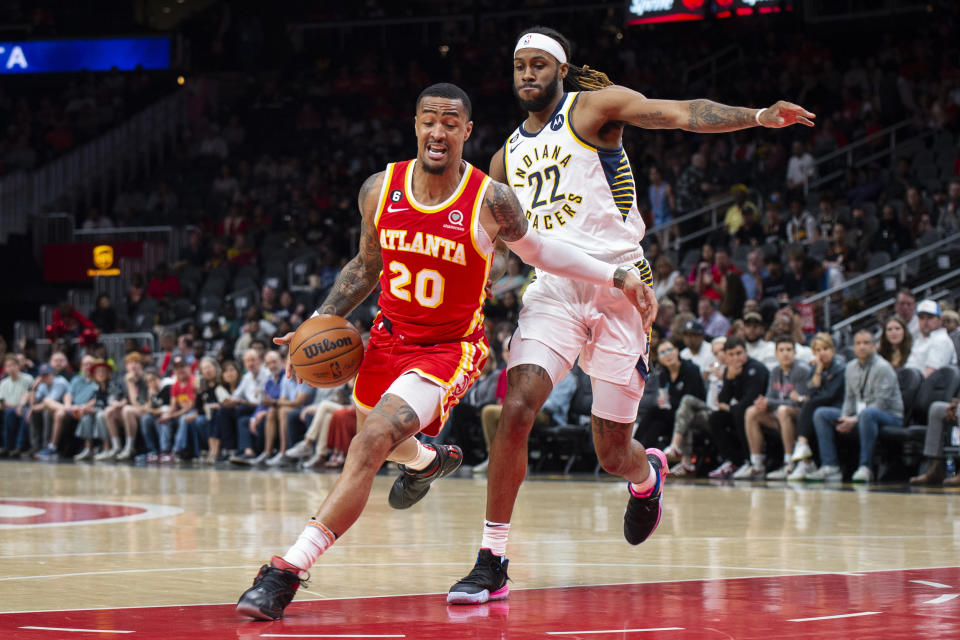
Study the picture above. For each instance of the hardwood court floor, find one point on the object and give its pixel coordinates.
(105, 537)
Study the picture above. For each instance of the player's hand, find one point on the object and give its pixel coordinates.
(642, 297)
(784, 114)
(285, 340)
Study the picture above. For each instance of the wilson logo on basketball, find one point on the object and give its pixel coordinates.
(315, 349)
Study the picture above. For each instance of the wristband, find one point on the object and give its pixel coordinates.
(757, 116)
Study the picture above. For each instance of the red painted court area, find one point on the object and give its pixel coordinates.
(922, 603)
(53, 511)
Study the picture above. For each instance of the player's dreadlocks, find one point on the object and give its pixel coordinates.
(578, 78)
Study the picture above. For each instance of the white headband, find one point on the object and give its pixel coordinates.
(542, 42)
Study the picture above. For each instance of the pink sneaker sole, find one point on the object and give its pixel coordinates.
(478, 598)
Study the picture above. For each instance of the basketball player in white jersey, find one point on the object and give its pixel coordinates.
(567, 166)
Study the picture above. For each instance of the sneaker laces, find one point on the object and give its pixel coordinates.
(479, 573)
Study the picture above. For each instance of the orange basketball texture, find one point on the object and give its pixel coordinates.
(326, 351)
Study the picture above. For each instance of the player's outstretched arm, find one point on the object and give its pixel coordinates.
(616, 103)
(359, 277)
(502, 218)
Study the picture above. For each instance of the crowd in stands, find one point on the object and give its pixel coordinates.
(176, 405)
(274, 175)
(46, 118)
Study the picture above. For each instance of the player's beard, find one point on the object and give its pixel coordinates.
(549, 92)
(432, 167)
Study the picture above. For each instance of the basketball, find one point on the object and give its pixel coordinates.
(326, 351)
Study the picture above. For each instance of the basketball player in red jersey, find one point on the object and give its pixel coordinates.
(568, 169)
(428, 232)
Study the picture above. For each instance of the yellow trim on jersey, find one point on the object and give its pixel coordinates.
(478, 314)
(566, 118)
(408, 187)
(387, 177)
(487, 257)
(466, 349)
(360, 404)
(475, 216)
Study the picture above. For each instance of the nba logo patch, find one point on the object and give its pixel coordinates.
(526, 39)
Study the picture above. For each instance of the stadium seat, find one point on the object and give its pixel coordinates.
(573, 440)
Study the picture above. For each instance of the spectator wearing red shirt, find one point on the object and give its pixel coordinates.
(722, 265)
(68, 321)
(163, 284)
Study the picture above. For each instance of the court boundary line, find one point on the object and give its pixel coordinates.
(737, 539)
(438, 593)
(422, 564)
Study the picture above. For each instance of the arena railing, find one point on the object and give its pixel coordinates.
(898, 270)
(847, 157)
(936, 289)
(93, 168)
(713, 64)
(715, 210)
(115, 344)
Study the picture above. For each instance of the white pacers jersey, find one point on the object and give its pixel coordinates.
(580, 194)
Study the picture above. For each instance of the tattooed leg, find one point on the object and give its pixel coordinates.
(527, 389)
(404, 450)
(617, 451)
(391, 422)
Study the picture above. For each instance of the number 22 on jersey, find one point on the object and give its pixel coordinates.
(427, 289)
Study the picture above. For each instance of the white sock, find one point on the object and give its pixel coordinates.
(495, 537)
(787, 459)
(645, 487)
(311, 544)
(757, 459)
(424, 458)
(114, 442)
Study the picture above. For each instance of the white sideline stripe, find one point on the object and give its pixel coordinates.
(76, 630)
(947, 597)
(583, 633)
(427, 564)
(440, 593)
(842, 615)
(932, 584)
(344, 547)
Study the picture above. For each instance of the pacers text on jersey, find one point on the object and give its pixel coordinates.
(546, 181)
(426, 244)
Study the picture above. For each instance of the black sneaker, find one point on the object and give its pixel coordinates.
(272, 591)
(411, 486)
(643, 514)
(487, 581)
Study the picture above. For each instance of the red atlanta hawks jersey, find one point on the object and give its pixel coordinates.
(434, 266)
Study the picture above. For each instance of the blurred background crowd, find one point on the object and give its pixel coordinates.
(776, 253)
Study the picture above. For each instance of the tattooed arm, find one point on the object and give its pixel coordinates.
(359, 277)
(620, 104)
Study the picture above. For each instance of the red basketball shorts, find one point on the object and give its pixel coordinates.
(453, 366)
